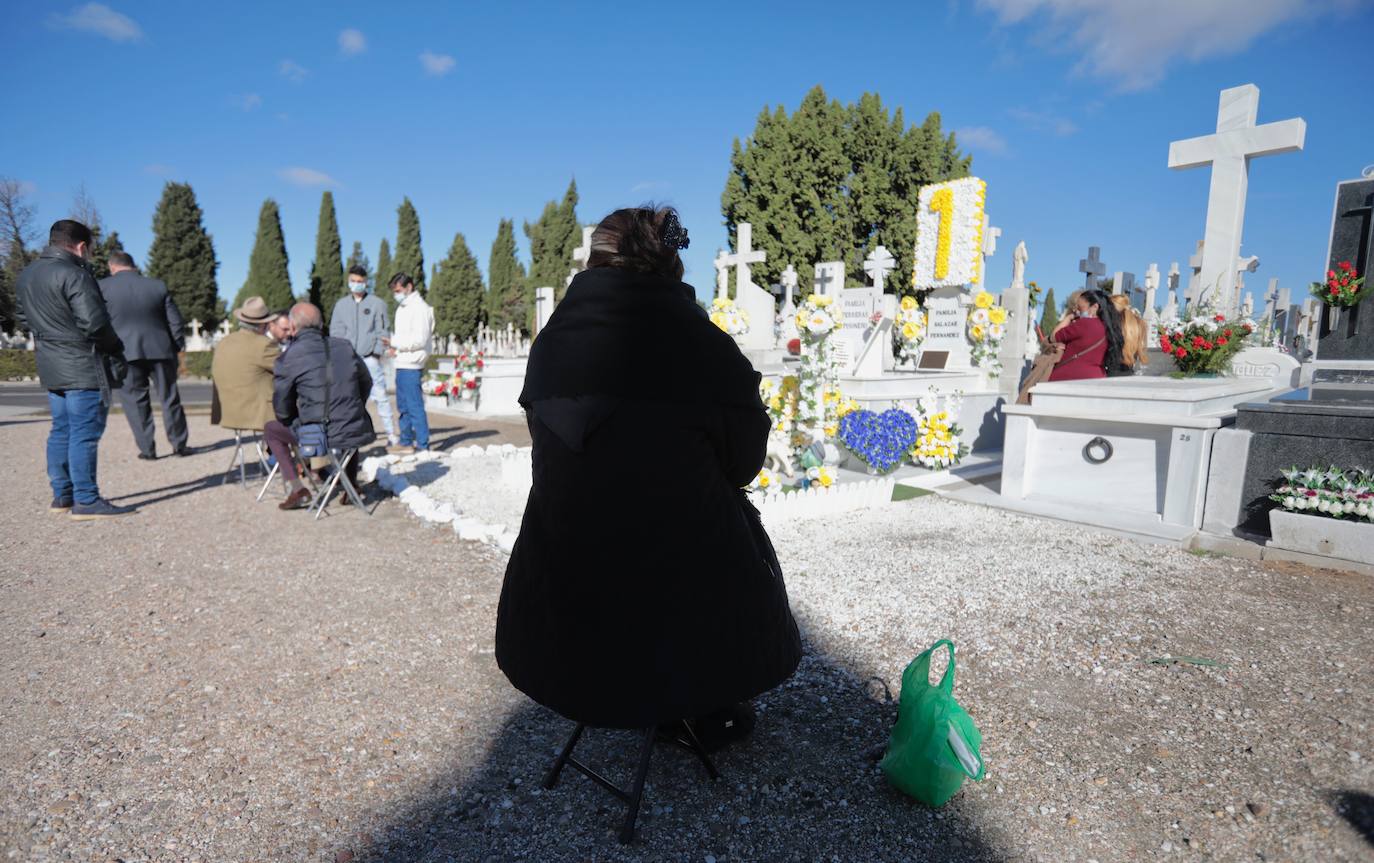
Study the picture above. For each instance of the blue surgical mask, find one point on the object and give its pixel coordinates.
(357, 287)
(400, 298)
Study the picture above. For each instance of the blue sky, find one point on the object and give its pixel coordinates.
(480, 111)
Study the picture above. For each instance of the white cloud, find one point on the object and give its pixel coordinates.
(1041, 121)
(292, 71)
(159, 170)
(352, 42)
(1133, 42)
(246, 101)
(306, 177)
(436, 64)
(981, 138)
(101, 20)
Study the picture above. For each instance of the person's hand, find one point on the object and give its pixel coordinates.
(391, 352)
(386, 341)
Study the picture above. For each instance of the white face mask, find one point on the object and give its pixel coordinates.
(357, 287)
(400, 298)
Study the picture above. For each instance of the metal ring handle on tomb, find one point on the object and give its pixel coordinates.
(1098, 443)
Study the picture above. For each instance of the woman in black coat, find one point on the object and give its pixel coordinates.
(642, 589)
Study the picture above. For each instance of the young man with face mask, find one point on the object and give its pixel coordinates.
(361, 319)
(410, 345)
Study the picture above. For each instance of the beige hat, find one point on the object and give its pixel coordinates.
(255, 311)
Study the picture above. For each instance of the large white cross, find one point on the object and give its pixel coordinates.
(1228, 152)
(789, 286)
(582, 253)
(744, 255)
(878, 264)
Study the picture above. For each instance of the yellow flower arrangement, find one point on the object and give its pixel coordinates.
(908, 303)
(997, 315)
(975, 332)
(984, 300)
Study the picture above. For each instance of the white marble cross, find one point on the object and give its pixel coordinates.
(878, 264)
(745, 254)
(1271, 301)
(1190, 297)
(1228, 151)
(990, 235)
(1151, 286)
(582, 253)
(789, 286)
(1243, 266)
(828, 279)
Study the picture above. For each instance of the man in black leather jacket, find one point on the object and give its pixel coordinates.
(80, 359)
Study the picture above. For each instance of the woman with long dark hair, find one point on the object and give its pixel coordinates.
(1091, 337)
(643, 589)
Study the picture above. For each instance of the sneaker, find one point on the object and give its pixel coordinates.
(61, 504)
(184, 450)
(148, 456)
(401, 449)
(100, 509)
(392, 440)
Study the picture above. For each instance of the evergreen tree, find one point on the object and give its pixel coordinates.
(1050, 316)
(508, 291)
(382, 283)
(100, 252)
(456, 293)
(183, 255)
(833, 181)
(358, 258)
(268, 268)
(327, 280)
(16, 237)
(553, 239)
(409, 258)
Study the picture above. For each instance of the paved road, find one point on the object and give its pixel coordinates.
(19, 398)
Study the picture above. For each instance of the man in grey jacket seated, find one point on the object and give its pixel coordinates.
(361, 319)
(314, 365)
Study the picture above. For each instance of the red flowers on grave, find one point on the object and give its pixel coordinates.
(1204, 344)
(1344, 286)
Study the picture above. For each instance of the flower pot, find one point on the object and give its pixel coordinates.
(1344, 538)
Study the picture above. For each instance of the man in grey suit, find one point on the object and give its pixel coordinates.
(148, 322)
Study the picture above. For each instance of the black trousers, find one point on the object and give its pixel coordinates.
(134, 397)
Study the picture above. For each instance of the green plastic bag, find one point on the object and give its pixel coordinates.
(934, 744)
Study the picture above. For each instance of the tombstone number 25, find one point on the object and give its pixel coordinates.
(949, 233)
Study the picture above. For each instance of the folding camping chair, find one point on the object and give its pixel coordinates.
(240, 457)
(338, 460)
(681, 735)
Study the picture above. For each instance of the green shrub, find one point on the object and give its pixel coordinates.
(197, 364)
(15, 365)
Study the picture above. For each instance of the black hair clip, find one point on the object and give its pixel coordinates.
(674, 236)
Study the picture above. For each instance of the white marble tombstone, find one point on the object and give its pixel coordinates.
(874, 355)
(1151, 316)
(543, 308)
(990, 235)
(947, 319)
(1016, 300)
(857, 309)
(829, 278)
(754, 301)
(1270, 364)
(1229, 152)
(582, 253)
(1243, 265)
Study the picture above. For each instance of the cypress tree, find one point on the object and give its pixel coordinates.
(382, 283)
(268, 273)
(183, 255)
(456, 292)
(832, 181)
(409, 258)
(101, 250)
(358, 258)
(1050, 316)
(553, 239)
(508, 291)
(327, 281)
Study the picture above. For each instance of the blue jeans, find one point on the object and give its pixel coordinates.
(78, 421)
(410, 401)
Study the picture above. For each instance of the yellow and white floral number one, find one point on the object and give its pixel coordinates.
(949, 233)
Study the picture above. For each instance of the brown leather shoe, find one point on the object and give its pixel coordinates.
(298, 499)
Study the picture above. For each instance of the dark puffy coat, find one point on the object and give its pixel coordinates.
(59, 301)
(642, 588)
(298, 381)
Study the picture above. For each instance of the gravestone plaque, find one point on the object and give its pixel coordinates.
(1348, 334)
(947, 315)
(857, 307)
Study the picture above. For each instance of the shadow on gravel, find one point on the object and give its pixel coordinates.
(804, 786)
(457, 436)
(1357, 808)
(181, 489)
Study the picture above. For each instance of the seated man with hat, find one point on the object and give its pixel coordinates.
(242, 369)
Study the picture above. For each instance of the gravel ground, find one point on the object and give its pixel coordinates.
(216, 680)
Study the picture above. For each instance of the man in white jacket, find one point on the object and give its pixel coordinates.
(410, 346)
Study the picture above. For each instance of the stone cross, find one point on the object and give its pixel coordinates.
(1190, 298)
(195, 328)
(990, 235)
(744, 255)
(828, 280)
(1123, 283)
(722, 274)
(1243, 266)
(1271, 299)
(1173, 279)
(1247, 309)
(1228, 152)
(878, 264)
(543, 308)
(1151, 287)
(223, 328)
(789, 287)
(1091, 267)
(582, 253)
